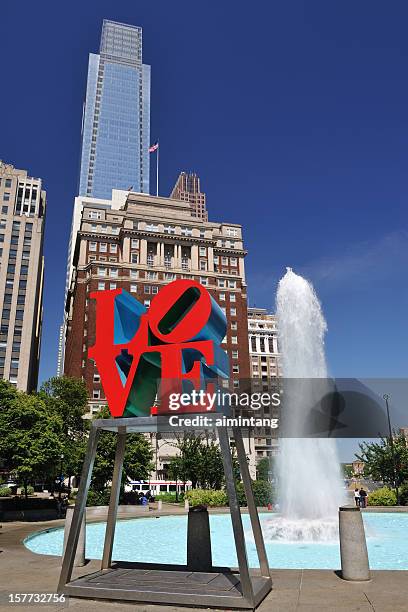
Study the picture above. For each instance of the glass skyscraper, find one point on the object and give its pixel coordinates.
(116, 119)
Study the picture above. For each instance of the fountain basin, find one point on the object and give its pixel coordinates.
(163, 540)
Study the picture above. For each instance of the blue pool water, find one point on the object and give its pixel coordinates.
(163, 540)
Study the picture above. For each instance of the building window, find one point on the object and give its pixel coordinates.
(234, 325)
(169, 229)
(96, 394)
(113, 248)
(147, 303)
(134, 258)
(155, 289)
(101, 271)
(203, 251)
(233, 261)
(96, 378)
(204, 280)
(113, 272)
(152, 275)
(92, 246)
(222, 297)
(6, 196)
(146, 289)
(134, 273)
(135, 243)
(152, 227)
(203, 264)
(221, 282)
(112, 285)
(7, 183)
(133, 288)
(232, 232)
(234, 340)
(186, 231)
(232, 284)
(235, 369)
(233, 312)
(101, 286)
(233, 297)
(234, 354)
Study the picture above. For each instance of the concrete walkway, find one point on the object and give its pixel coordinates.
(293, 590)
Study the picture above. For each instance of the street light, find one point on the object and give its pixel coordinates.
(386, 397)
(60, 486)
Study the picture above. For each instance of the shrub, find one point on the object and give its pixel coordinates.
(206, 497)
(5, 491)
(169, 497)
(382, 497)
(30, 490)
(262, 490)
(98, 498)
(403, 494)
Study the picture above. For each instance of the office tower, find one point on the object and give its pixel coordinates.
(265, 373)
(116, 118)
(22, 202)
(141, 247)
(187, 189)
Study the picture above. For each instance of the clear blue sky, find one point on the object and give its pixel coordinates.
(294, 114)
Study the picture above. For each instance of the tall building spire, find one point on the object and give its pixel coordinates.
(187, 189)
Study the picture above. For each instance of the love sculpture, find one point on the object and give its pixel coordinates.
(175, 342)
(140, 354)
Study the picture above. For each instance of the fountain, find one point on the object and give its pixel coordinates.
(310, 488)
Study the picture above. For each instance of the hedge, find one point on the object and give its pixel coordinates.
(206, 497)
(382, 497)
(5, 492)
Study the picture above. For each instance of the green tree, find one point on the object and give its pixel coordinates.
(347, 470)
(379, 463)
(137, 463)
(31, 440)
(263, 469)
(68, 398)
(199, 460)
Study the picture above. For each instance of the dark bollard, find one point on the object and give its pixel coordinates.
(199, 557)
(353, 545)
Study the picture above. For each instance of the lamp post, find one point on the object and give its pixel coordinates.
(386, 397)
(60, 485)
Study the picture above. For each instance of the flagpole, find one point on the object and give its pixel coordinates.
(157, 169)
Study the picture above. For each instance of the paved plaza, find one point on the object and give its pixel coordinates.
(293, 590)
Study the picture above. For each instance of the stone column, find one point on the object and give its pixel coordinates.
(79, 560)
(194, 257)
(210, 251)
(143, 251)
(353, 546)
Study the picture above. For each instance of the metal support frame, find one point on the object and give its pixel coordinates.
(240, 590)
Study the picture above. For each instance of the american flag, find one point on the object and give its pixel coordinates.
(154, 147)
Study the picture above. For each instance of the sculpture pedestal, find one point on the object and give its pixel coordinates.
(218, 587)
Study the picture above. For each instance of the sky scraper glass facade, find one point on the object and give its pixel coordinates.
(116, 121)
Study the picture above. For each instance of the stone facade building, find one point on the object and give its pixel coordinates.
(22, 207)
(141, 245)
(265, 372)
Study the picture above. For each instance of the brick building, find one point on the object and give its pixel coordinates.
(187, 189)
(140, 246)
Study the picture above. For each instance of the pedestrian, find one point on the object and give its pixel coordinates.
(357, 497)
(363, 498)
(144, 500)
